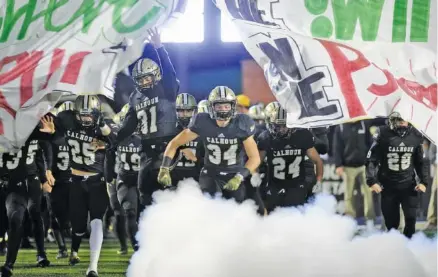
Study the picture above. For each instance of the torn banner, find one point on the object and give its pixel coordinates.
(51, 48)
(330, 61)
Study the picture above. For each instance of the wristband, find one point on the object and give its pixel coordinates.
(245, 172)
(167, 162)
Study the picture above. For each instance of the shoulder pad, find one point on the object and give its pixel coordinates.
(246, 122)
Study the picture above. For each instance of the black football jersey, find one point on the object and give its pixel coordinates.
(20, 164)
(79, 140)
(59, 160)
(223, 146)
(398, 158)
(285, 157)
(152, 111)
(128, 156)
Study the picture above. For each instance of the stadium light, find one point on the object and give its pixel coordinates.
(229, 32)
(187, 28)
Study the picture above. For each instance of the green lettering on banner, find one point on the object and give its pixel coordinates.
(420, 21)
(346, 14)
(399, 21)
(120, 27)
(88, 9)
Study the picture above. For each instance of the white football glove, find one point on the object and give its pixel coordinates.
(256, 179)
(317, 187)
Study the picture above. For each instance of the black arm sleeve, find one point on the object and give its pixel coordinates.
(421, 165)
(47, 150)
(109, 166)
(128, 127)
(169, 80)
(41, 167)
(321, 140)
(372, 163)
(338, 146)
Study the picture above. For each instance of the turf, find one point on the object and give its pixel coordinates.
(110, 265)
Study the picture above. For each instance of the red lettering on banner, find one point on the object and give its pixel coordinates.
(57, 57)
(25, 66)
(5, 106)
(26, 83)
(425, 95)
(344, 68)
(386, 89)
(73, 68)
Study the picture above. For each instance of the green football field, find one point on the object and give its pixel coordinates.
(111, 264)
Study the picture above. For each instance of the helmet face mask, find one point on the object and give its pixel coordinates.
(87, 109)
(276, 118)
(184, 116)
(222, 103)
(146, 74)
(398, 124)
(186, 108)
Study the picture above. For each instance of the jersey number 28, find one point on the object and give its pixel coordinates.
(397, 163)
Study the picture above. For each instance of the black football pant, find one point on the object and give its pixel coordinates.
(124, 201)
(88, 196)
(59, 202)
(23, 195)
(3, 214)
(310, 181)
(391, 200)
(278, 196)
(215, 184)
(181, 174)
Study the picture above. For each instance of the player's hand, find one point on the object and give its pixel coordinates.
(317, 187)
(46, 187)
(234, 183)
(50, 178)
(188, 153)
(97, 145)
(340, 171)
(420, 187)
(376, 188)
(155, 38)
(256, 179)
(47, 125)
(164, 177)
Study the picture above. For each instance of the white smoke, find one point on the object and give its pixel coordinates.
(186, 234)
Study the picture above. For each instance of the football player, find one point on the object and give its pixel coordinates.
(285, 150)
(226, 137)
(185, 168)
(123, 192)
(23, 191)
(86, 132)
(203, 106)
(57, 157)
(392, 161)
(151, 107)
(257, 113)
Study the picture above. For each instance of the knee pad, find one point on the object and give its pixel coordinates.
(96, 223)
